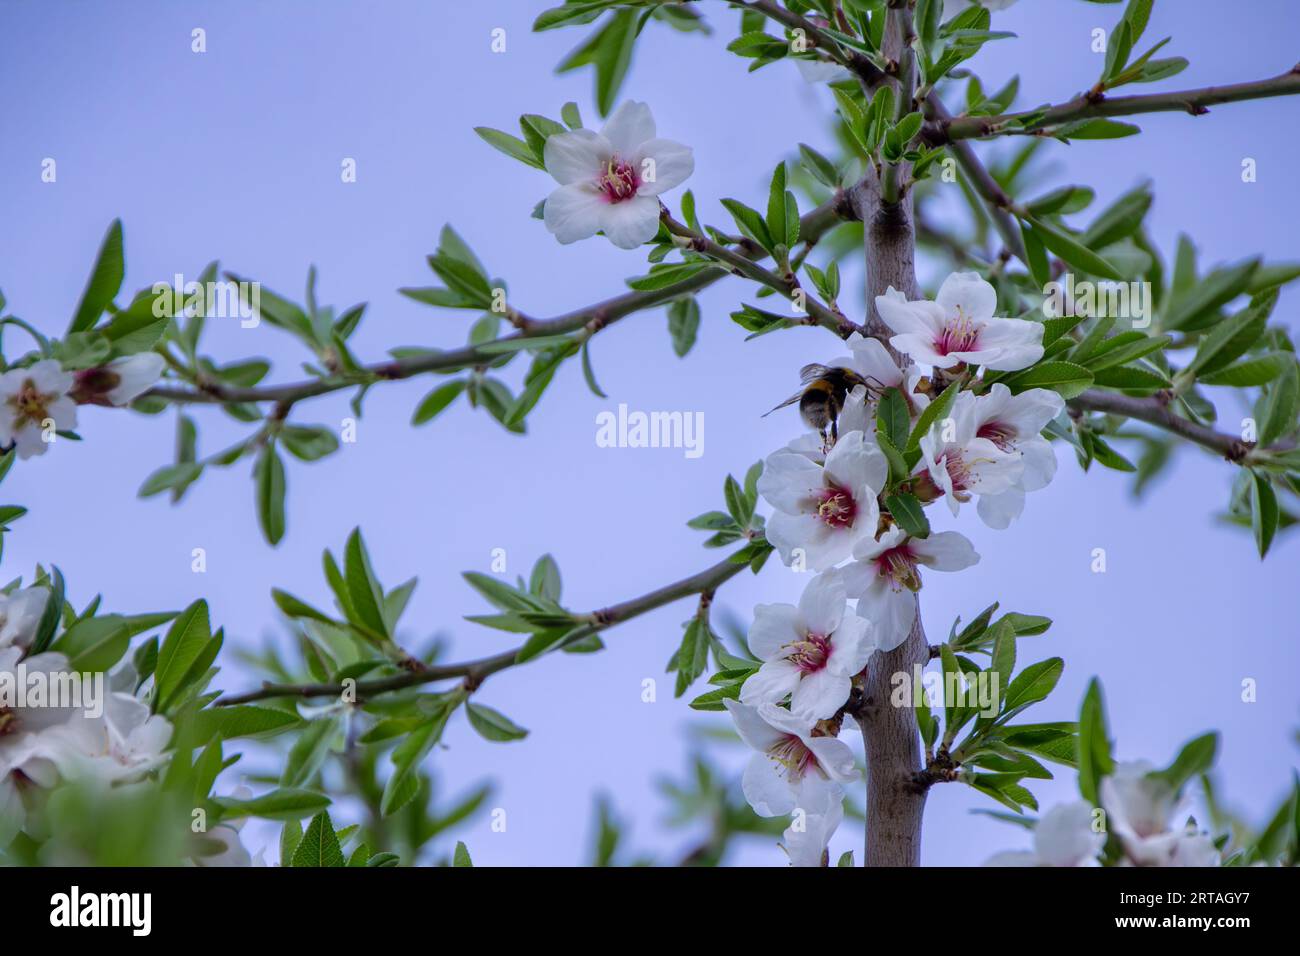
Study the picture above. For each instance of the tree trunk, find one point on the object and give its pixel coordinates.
(894, 804)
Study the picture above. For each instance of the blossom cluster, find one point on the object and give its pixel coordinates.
(41, 399)
(1141, 810)
(48, 737)
(830, 518)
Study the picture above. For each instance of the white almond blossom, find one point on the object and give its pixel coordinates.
(810, 652)
(1064, 836)
(610, 181)
(791, 766)
(125, 379)
(857, 414)
(123, 743)
(1140, 809)
(885, 574)
(823, 509)
(20, 616)
(806, 838)
(959, 463)
(227, 835)
(31, 400)
(873, 362)
(1014, 423)
(24, 735)
(959, 327)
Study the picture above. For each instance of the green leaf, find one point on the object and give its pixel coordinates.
(750, 223)
(820, 167)
(613, 56)
(907, 511)
(178, 476)
(53, 612)
(1263, 511)
(308, 443)
(243, 720)
(1280, 405)
(367, 597)
(1196, 757)
(436, 401)
(588, 373)
(1196, 305)
(1095, 759)
(493, 725)
(282, 804)
(1033, 684)
(1231, 338)
(309, 751)
(1255, 371)
(892, 417)
(738, 503)
(1064, 377)
(461, 855)
(319, 846)
(512, 146)
(184, 644)
(776, 207)
(683, 324)
(1072, 250)
(1120, 219)
(269, 476)
(105, 280)
(933, 413)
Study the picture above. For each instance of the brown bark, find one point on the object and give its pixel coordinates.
(895, 804)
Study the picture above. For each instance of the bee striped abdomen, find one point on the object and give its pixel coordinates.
(819, 405)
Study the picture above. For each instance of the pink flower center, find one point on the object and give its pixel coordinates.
(959, 473)
(960, 334)
(791, 753)
(810, 654)
(836, 507)
(1002, 435)
(619, 181)
(898, 565)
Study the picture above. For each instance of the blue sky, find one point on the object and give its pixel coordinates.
(235, 154)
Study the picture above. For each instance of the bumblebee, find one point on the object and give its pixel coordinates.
(822, 396)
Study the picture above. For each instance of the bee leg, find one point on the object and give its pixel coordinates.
(835, 431)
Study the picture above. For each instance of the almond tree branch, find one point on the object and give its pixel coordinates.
(1000, 205)
(1155, 411)
(943, 130)
(592, 317)
(787, 284)
(476, 671)
(853, 60)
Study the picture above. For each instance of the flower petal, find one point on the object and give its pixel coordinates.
(775, 625)
(822, 604)
(630, 125)
(574, 212)
(945, 551)
(631, 222)
(661, 165)
(968, 293)
(818, 695)
(578, 156)
(766, 789)
(771, 683)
